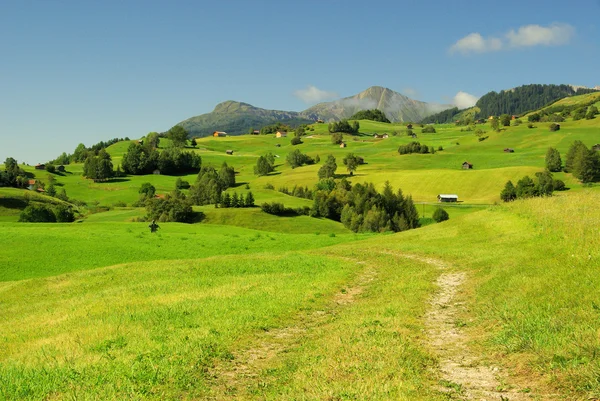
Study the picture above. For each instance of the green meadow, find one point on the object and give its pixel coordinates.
(245, 305)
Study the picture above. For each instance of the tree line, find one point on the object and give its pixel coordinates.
(344, 126)
(373, 115)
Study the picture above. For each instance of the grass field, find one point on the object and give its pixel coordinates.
(246, 305)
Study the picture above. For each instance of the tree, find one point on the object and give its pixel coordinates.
(429, 129)
(576, 149)
(296, 141)
(328, 168)
(226, 200)
(505, 120)
(337, 138)
(98, 168)
(534, 118)
(263, 166)
(553, 160)
(495, 124)
(351, 161)
(193, 143)
(37, 214)
(51, 168)
(509, 193)
(178, 135)
(249, 202)
(235, 200)
(147, 191)
(80, 153)
(152, 140)
(525, 188)
(440, 215)
(227, 176)
(592, 112)
(374, 115)
(173, 207)
(62, 195)
(51, 191)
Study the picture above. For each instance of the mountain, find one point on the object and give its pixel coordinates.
(237, 118)
(396, 106)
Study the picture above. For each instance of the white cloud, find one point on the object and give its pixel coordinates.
(534, 35)
(312, 94)
(475, 43)
(526, 36)
(463, 100)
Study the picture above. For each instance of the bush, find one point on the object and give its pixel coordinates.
(530, 125)
(440, 215)
(554, 127)
(296, 140)
(428, 130)
(37, 214)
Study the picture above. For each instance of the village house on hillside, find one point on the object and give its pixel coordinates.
(508, 150)
(218, 134)
(343, 145)
(467, 166)
(281, 134)
(255, 132)
(447, 198)
(40, 166)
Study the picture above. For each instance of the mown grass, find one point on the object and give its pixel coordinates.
(41, 250)
(149, 330)
(369, 348)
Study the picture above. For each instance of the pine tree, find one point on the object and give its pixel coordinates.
(509, 193)
(553, 160)
(249, 200)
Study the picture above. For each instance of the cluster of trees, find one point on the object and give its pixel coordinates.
(344, 126)
(13, 175)
(374, 115)
(297, 159)
(98, 168)
(583, 163)
(237, 201)
(580, 161)
(144, 159)
(173, 207)
(265, 164)
(211, 183)
(278, 209)
(524, 98)
(41, 213)
(445, 116)
(337, 138)
(361, 208)
(415, 147)
(543, 185)
(81, 152)
(297, 191)
(559, 113)
(273, 128)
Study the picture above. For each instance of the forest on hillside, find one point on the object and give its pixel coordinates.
(513, 101)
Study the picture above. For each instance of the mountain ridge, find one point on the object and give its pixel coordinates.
(237, 118)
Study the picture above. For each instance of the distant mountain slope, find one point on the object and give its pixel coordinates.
(396, 106)
(237, 118)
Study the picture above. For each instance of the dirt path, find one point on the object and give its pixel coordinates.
(233, 378)
(465, 376)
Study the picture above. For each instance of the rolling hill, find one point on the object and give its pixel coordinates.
(236, 118)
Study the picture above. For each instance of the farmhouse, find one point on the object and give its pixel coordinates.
(31, 184)
(509, 150)
(40, 166)
(447, 198)
(467, 166)
(281, 134)
(385, 136)
(378, 136)
(255, 132)
(218, 134)
(229, 151)
(319, 121)
(343, 145)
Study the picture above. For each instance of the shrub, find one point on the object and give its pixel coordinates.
(440, 215)
(428, 130)
(554, 127)
(296, 140)
(37, 214)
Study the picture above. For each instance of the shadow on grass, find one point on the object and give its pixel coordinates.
(12, 203)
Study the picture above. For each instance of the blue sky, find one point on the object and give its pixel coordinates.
(83, 71)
